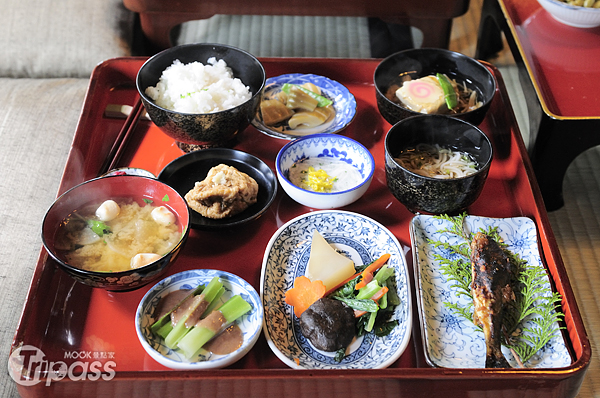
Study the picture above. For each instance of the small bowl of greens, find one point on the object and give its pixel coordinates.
(175, 321)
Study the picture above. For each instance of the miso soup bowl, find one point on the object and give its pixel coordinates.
(422, 194)
(143, 190)
(422, 62)
(331, 146)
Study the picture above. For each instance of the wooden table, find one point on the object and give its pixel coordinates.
(159, 17)
(558, 66)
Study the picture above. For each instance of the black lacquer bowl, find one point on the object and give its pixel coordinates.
(422, 194)
(143, 190)
(422, 62)
(203, 129)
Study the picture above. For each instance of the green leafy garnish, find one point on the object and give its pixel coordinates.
(165, 198)
(98, 227)
(534, 300)
(148, 201)
(448, 89)
(322, 101)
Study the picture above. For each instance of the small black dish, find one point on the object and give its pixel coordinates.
(183, 173)
(422, 194)
(422, 62)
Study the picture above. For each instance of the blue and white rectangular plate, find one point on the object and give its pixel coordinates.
(451, 341)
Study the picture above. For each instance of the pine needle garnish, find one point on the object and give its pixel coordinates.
(535, 302)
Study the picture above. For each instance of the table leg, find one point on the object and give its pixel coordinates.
(157, 27)
(491, 26)
(557, 145)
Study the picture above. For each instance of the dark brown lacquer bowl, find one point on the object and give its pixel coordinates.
(422, 62)
(205, 129)
(422, 194)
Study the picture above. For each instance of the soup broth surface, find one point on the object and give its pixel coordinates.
(132, 232)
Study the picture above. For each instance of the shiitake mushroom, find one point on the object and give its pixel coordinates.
(328, 324)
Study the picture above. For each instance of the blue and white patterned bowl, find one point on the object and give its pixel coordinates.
(450, 340)
(250, 323)
(344, 104)
(576, 16)
(330, 146)
(358, 237)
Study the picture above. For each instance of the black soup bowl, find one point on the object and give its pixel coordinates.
(120, 188)
(421, 194)
(417, 63)
(203, 129)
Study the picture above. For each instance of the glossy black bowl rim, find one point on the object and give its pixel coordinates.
(176, 48)
(439, 50)
(484, 168)
(85, 272)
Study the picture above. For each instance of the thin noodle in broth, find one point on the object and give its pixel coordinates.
(437, 162)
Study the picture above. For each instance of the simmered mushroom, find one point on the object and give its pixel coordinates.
(328, 324)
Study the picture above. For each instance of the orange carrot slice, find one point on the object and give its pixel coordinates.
(369, 272)
(304, 294)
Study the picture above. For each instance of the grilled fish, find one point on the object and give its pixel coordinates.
(492, 291)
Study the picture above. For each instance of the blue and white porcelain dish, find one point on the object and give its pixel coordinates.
(344, 104)
(337, 147)
(356, 236)
(250, 323)
(451, 341)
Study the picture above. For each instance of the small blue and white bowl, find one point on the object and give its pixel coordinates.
(250, 323)
(344, 104)
(576, 16)
(337, 147)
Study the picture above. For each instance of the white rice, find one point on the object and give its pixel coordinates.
(199, 88)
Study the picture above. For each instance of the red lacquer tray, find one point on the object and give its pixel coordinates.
(562, 60)
(70, 322)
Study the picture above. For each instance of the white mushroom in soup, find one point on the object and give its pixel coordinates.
(163, 216)
(108, 210)
(141, 259)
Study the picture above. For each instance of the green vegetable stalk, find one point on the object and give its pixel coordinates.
(448, 88)
(181, 329)
(163, 326)
(228, 313)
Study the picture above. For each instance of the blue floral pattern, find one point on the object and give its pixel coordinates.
(250, 323)
(450, 340)
(344, 104)
(363, 240)
(327, 146)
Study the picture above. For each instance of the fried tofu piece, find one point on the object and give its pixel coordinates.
(224, 192)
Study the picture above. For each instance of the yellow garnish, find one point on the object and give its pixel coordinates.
(318, 180)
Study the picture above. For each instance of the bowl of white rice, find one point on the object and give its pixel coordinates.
(201, 94)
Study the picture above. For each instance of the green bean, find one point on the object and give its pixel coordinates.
(448, 88)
